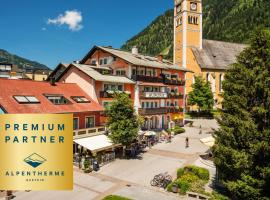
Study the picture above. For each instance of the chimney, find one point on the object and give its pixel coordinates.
(160, 58)
(135, 50)
(52, 81)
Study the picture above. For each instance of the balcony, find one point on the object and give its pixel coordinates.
(143, 78)
(88, 132)
(174, 110)
(174, 81)
(175, 95)
(154, 95)
(111, 94)
(153, 111)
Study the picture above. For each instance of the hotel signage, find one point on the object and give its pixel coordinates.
(155, 95)
(36, 152)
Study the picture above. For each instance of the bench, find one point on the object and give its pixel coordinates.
(197, 196)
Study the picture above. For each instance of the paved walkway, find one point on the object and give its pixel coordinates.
(131, 178)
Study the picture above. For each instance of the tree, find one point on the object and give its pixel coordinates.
(242, 149)
(201, 95)
(122, 120)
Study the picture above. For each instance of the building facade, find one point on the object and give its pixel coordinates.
(155, 85)
(207, 58)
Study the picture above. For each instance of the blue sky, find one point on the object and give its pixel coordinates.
(54, 31)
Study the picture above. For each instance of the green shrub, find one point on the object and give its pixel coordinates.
(198, 187)
(183, 185)
(180, 172)
(218, 196)
(202, 173)
(189, 177)
(178, 130)
(169, 187)
(115, 197)
(86, 164)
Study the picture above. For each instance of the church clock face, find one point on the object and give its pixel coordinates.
(193, 6)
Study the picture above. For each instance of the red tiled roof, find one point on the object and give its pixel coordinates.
(9, 88)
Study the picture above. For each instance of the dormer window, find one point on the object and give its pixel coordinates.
(80, 99)
(26, 99)
(57, 99)
(93, 62)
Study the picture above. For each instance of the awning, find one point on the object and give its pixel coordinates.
(95, 143)
(208, 141)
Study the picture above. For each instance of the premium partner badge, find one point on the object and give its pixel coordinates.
(36, 152)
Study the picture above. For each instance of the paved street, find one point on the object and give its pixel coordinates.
(131, 178)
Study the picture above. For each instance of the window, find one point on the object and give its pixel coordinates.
(80, 99)
(220, 82)
(121, 72)
(174, 76)
(207, 77)
(104, 61)
(75, 123)
(143, 104)
(26, 99)
(193, 20)
(57, 99)
(113, 87)
(178, 8)
(168, 104)
(93, 61)
(156, 104)
(134, 71)
(89, 122)
(176, 103)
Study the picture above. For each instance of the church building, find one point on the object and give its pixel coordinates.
(207, 58)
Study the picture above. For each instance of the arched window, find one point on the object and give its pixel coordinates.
(220, 82)
(208, 77)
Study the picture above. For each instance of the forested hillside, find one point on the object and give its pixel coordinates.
(226, 20)
(22, 63)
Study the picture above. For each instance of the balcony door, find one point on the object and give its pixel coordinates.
(90, 122)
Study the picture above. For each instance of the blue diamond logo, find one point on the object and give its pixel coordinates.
(34, 160)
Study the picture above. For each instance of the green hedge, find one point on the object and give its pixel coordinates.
(177, 130)
(115, 197)
(180, 172)
(202, 173)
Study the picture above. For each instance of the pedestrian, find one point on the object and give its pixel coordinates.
(187, 142)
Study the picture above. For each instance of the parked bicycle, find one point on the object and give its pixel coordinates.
(161, 180)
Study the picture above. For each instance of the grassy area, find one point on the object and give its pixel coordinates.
(115, 197)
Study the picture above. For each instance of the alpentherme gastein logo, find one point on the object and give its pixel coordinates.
(36, 152)
(34, 160)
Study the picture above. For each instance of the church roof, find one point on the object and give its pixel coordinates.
(217, 55)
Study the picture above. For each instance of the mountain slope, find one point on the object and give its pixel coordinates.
(226, 20)
(22, 63)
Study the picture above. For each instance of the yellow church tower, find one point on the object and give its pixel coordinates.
(187, 35)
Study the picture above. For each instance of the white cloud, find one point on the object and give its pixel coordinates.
(43, 29)
(72, 18)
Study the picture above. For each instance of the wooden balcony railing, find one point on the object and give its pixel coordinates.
(153, 111)
(174, 81)
(88, 132)
(110, 94)
(174, 110)
(143, 78)
(158, 79)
